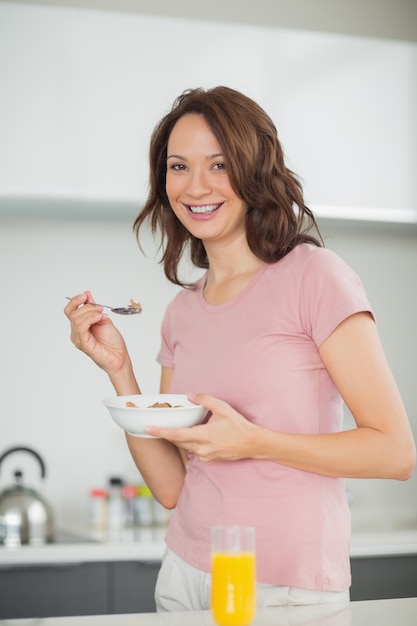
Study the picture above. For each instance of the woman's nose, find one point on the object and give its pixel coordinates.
(198, 183)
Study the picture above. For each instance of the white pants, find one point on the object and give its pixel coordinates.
(181, 587)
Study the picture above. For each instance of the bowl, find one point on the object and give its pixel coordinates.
(133, 413)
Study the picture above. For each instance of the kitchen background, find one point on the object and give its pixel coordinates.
(82, 85)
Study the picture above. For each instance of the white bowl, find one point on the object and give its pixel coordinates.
(133, 419)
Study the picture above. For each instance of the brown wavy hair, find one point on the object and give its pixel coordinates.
(276, 220)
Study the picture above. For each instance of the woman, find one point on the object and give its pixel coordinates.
(271, 340)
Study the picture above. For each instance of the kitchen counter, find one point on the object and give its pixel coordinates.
(139, 544)
(117, 575)
(147, 544)
(384, 543)
(402, 612)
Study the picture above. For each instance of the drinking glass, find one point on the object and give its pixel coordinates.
(233, 575)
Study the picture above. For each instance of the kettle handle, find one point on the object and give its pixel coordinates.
(24, 449)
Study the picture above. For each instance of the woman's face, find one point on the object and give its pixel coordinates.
(197, 183)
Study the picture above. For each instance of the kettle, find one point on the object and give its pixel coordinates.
(25, 516)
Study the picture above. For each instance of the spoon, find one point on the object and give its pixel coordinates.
(132, 309)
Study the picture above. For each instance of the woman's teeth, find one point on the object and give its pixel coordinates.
(206, 208)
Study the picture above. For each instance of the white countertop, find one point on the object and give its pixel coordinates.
(141, 544)
(384, 543)
(402, 612)
(147, 544)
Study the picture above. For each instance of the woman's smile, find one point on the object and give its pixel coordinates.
(204, 209)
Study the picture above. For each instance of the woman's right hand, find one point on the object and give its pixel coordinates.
(94, 333)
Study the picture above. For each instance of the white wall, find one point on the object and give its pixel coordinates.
(52, 393)
(386, 260)
(81, 91)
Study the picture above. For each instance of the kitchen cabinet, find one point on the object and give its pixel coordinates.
(77, 589)
(127, 586)
(133, 585)
(53, 590)
(383, 577)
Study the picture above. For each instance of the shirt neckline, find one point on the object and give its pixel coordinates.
(233, 301)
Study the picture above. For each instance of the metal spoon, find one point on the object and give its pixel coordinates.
(121, 310)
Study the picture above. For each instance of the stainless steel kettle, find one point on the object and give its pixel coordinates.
(25, 516)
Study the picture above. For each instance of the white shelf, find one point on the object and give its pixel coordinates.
(72, 207)
(68, 207)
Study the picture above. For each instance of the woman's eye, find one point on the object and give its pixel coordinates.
(177, 167)
(219, 166)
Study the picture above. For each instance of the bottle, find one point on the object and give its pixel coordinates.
(129, 496)
(98, 509)
(116, 504)
(143, 506)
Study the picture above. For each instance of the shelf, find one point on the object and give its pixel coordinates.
(69, 207)
(73, 207)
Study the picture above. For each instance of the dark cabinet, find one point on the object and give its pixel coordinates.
(53, 590)
(133, 586)
(383, 577)
(77, 589)
(128, 586)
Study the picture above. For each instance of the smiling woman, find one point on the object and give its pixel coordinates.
(271, 340)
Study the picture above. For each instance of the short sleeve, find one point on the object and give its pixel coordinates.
(330, 291)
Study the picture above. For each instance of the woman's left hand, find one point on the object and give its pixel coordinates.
(226, 436)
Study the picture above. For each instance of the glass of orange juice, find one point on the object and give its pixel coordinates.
(233, 575)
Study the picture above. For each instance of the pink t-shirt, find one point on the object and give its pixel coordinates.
(259, 353)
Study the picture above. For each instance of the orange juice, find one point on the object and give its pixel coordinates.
(233, 588)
